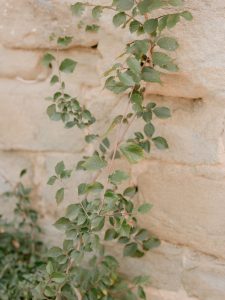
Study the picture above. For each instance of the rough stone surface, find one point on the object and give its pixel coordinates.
(186, 183)
(185, 210)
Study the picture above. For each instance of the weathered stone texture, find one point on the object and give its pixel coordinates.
(186, 183)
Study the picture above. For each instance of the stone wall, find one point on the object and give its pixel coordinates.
(186, 183)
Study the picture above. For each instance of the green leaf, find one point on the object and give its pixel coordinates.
(68, 245)
(119, 19)
(92, 28)
(171, 67)
(94, 163)
(168, 43)
(141, 292)
(123, 5)
(147, 116)
(160, 143)
(123, 240)
(130, 191)
(62, 223)
(114, 86)
(160, 59)
(81, 219)
(150, 75)
(186, 15)
(146, 6)
(110, 234)
(137, 98)
(52, 113)
(106, 141)
(77, 256)
(151, 243)
(176, 2)
(150, 106)
(149, 129)
(78, 9)
(134, 26)
(162, 23)
(125, 230)
(55, 252)
(96, 187)
(64, 41)
(97, 223)
(126, 79)
(58, 277)
(144, 208)
(82, 189)
(49, 292)
(134, 65)
(118, 176)
(59, 196)
(47, 59)
(150, 25)
(96, 12)
(23, 172)
(138, 48)
(90, 138)
(60, 167)
(62, 259)
(49, 268)
(142, 235)
(162, 112)
(67, 65)
(172, 20)
(73, 211)
(52, 180)
(133, 152)
(54, 79)
(130, 249)
(146, 146)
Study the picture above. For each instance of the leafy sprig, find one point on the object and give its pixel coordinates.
(104, 211)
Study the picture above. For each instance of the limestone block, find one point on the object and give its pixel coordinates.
(24, 123)
(163, 265)
(198, 75)
(188, 204)
(204, 277)
(176, 271)
(194, 132)
(22, 64)
(155, 294)
(40, 20)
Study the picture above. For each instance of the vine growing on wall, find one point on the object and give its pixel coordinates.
(104, 211)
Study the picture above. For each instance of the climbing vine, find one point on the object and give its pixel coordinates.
(104, 211)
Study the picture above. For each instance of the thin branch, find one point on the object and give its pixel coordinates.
(111, 8)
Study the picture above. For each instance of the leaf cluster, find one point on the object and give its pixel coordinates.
(105, 210)
(21, 250)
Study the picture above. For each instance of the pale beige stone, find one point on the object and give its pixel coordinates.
(203, 276)
(155, 294)
(188, 205)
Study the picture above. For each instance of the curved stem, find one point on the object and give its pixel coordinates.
(112, 8)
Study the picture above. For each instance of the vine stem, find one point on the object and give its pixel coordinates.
(118, 141)
(59, 73)
(118, 138)
(111, 8)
